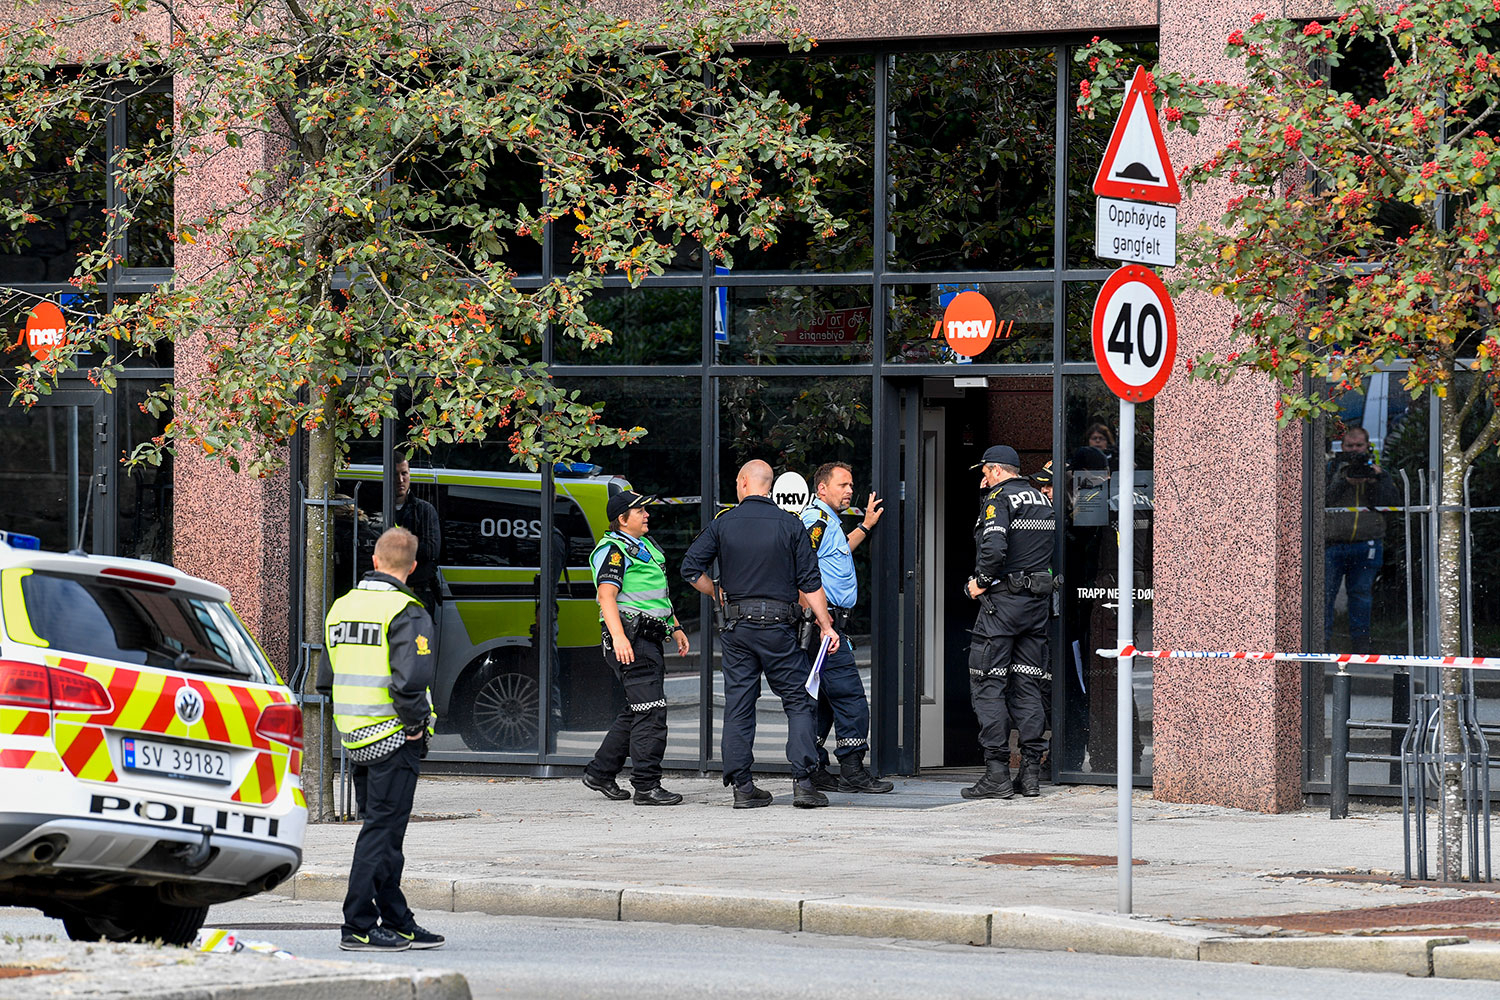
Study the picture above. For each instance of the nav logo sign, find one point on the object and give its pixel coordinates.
(45, 331)
(968, 324)
(189, 705)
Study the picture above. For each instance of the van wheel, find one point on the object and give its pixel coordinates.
(498, 707)
(148, 921)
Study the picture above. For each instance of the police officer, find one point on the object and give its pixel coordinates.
(1008, 659)
(380, 666)
(630, 579)
(765, 562)
(841, 693)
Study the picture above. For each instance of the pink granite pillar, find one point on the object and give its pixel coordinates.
(230, 528)
(1228, 567)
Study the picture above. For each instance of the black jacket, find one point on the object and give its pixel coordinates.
(413, 662)
(1014, 531)
(762, 551)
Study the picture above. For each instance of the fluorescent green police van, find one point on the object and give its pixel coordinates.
(489, 590)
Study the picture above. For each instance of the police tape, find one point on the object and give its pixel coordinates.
(1362, 659)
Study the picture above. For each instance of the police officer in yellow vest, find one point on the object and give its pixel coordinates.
(636, 611)
(379, 640)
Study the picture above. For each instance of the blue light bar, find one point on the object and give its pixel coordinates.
(16, 540)
(576, 469)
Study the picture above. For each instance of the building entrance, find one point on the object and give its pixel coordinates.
(55, 473)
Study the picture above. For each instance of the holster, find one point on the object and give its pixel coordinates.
(807, 631)
(644, 628)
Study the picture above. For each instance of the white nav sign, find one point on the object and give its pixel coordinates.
(1136, 231)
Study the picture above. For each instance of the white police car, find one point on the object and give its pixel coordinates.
(150, 757)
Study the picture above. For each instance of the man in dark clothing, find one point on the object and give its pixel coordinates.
(378, 672)
(1009, 665)
(1354, 534)
(765, 563)
(420, 518)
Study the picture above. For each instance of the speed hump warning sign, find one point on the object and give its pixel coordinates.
(1135, 333)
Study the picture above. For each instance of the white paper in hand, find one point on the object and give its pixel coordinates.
(815, 675)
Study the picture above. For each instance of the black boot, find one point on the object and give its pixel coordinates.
(747, 796)
(994, 785)
(1030, 778)
(855, 777)
(824, 780)
(805, 796)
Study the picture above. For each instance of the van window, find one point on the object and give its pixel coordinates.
(500, 526)
(92, 618)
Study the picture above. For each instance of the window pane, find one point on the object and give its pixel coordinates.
(1087, 139)
(972, 152)
(148, 133)
(1091, 552)
(650, 326)
(837, 92)
(664, 464)
(1022, 331)
(144, 512)
(797, 425)
(490, 181)
(793, 324)
(1078, 331)
(65, 189)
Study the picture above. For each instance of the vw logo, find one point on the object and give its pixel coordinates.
(189, 705)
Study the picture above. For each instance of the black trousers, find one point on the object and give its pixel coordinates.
(842, 705)
(640, 729)
(750, 651)
(375, 874)
(1009, 671)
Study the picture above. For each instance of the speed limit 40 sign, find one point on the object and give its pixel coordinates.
(1135, 333)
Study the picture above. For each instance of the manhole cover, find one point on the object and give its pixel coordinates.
(1439, 913)
(8, 972)
(1075, 860)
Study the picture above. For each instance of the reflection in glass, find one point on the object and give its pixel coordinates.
(144, 507)
(972, 153)
(837, 93)
(502, 186)
(650, 326)
(65, 188)
(794, 324)
(664, 464)
(1078, 332)
(47, 458)
(1090, 598)
(148, 134)
(1022, 331)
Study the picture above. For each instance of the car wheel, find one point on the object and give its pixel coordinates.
(499, 708)
(148, 921)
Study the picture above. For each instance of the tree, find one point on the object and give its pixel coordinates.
(1359, 230)
(409, 156)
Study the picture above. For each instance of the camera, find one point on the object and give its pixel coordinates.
(1359, 464)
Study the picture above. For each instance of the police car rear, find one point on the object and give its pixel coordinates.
(150, 757)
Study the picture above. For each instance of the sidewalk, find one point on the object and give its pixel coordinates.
(1215, 884)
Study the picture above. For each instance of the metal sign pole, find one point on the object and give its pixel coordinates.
(1124, 627)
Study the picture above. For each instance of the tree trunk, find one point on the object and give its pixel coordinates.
(318, 737)
(1450, 633)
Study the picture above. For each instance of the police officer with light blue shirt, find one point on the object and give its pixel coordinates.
(841, 696)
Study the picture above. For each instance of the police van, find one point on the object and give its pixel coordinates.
(490, 591)
(150, 757)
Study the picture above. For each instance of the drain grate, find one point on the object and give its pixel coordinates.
(1444, 913)
(1059, 860)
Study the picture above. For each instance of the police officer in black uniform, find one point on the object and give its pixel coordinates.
(765, 562)
(1008, 659)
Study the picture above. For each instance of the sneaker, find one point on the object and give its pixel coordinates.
(824, 780)
(657, 796)
(747, 796)
(419, 937)
(605, 787)
(374, 939)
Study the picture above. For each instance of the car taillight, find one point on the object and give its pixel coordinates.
(24, 684)
(31, 685)
(282, 723)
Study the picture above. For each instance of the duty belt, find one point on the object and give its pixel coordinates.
(840, 617)
(754, 611)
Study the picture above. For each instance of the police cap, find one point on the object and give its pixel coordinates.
(1043, 476)
(623, 501)
(999, 454)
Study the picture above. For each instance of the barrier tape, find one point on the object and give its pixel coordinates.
(1366, 659)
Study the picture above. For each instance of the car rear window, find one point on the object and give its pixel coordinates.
(99, 619)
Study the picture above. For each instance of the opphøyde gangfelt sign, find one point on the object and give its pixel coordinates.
(1135, 169)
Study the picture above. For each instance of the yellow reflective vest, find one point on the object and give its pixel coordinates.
(357, 634)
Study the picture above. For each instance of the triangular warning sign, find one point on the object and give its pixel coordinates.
(1136, 165)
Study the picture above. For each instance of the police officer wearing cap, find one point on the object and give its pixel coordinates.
(765, 563)
(630, 579)
(1009, 666)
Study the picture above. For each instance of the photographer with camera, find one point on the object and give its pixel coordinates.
(1354, 533)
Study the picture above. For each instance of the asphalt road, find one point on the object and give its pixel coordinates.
(522, 957)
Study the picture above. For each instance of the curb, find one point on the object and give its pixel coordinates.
(1035, 928)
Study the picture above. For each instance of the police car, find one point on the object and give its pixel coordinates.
(150, 758)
